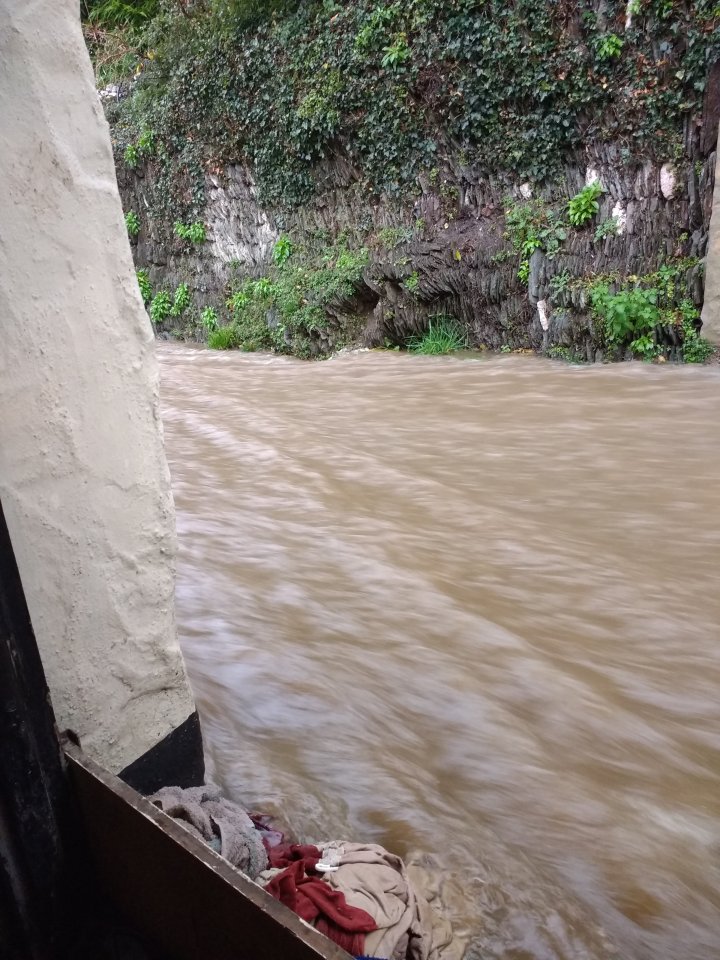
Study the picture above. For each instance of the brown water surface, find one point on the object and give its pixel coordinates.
(467, 606)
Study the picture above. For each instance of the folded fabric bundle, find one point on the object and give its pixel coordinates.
(217, 821)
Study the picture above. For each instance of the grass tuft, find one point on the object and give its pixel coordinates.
(224, 338)
(443, 335)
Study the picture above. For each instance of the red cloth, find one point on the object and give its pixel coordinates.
(311, 898)
(287, 853)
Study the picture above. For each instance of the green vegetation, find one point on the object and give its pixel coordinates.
(288, 309)
(391, 237)
(695, 349)
(181, 300)
(145, 286)
(412, 282)
(444, 335)
(515, 85)
(534, 226)
(638, 316)
(223, 338)
(209, 319)
(282, 250)
(609, 46)
(584, 205)
(608, 228)
(160, 307)
(131, 155)
(194, 232)
(132, 222)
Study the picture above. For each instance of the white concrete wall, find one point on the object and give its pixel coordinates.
(83, 475)
(711, 309)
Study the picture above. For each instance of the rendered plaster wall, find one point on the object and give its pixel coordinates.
(83, 475)
(711, 308)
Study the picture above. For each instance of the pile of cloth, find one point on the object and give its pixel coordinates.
(360, 896)
(363, 898)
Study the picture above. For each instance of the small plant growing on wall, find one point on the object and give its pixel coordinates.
(695, 349)
(282, 250)
(160, 306)
(608, 228)
(181, 300)
(132, 223)
(584, 205)
(194, 232)
(145, 287)
(609, 46)
(209, 318)
(131, 155)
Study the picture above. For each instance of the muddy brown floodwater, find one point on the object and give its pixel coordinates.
(470, 607)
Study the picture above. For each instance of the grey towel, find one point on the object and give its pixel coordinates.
(217, 821)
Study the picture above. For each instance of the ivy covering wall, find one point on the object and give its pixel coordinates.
(390, 87)
(445, 143)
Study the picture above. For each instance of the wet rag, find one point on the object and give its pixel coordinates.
(217, 821)
(312, 899)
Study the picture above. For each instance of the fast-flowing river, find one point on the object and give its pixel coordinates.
(469, 607)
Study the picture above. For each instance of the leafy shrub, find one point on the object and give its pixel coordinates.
(609, 46)
(584, 205)
(628, 312)
(397, 52)
(559, 284)
(534, 226)
(146, 143)
(145, 286)
(194, 232)
(132, 222)
(444, 335)
(390, 237)
(160, 307)
(284, 310)
(131, 155)
(282, 249)
(181, 300)
(209, 319)
(695, 349)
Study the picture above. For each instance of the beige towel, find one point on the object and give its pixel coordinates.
(378, 882)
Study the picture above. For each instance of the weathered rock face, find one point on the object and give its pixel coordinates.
(239, 234)
(453, 245)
